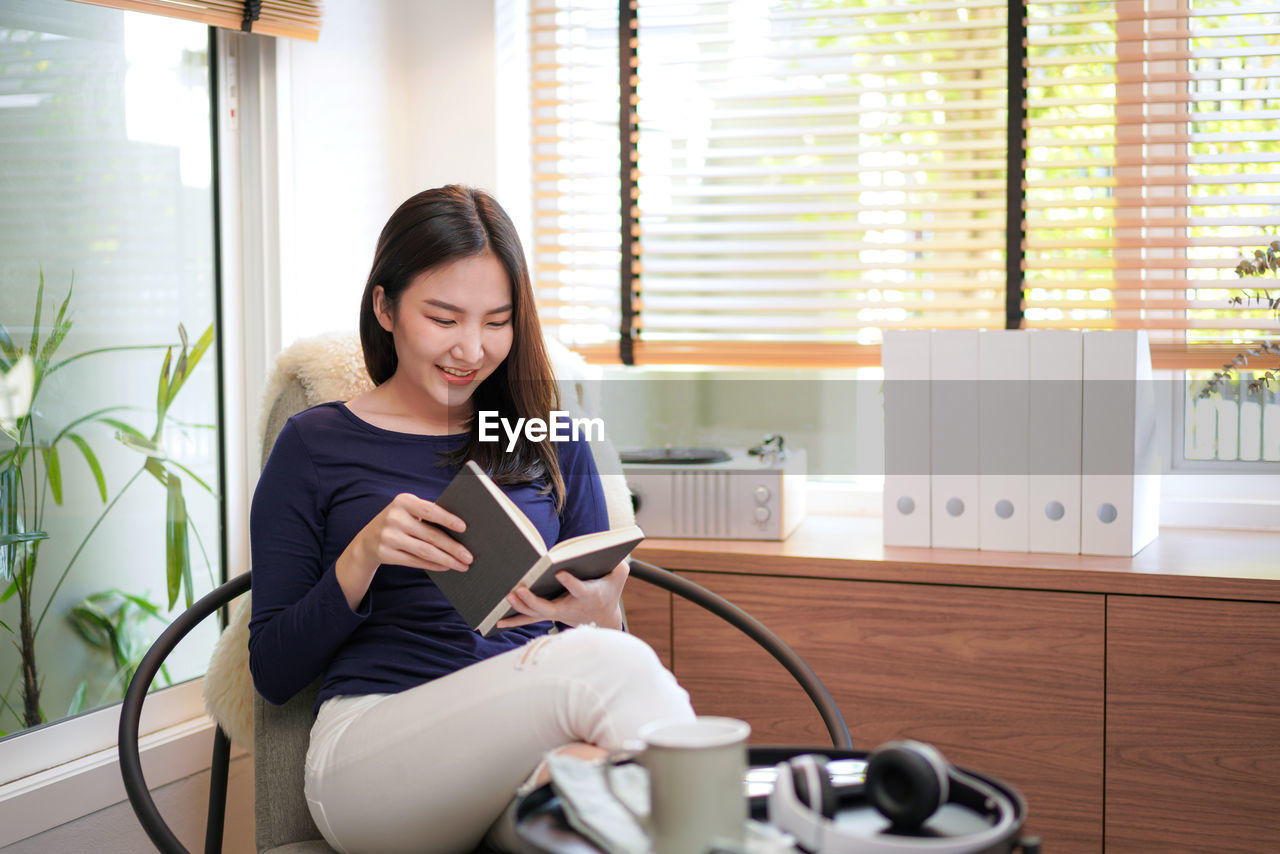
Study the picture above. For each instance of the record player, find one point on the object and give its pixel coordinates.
(714, 493)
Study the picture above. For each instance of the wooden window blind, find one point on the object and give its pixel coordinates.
(1152, 164)
(785, 180)
(297, 19)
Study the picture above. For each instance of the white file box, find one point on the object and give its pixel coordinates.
(953, 414)
(1003, 412)
(1056, 419)
(1120, 483)
(904, 356)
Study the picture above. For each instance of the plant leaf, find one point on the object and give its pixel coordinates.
(188, 588)
(93, 624)
(61, 326)
(189, 473)
(157, 470)
(177, 557)
(22, 537)
(92, 416)
(180, 377)
(124, 428)
(162, 391)
(8, 500)
(51, 345)
(6, 627)
(77, 701)
(7, 348)
(179, 370)
(35, 324)
(66, 303)
(94, 466)
(141, 444)
(53, 469)
(20, 576)
(142, 602)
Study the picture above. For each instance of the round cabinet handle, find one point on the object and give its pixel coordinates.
(763, 494)
(762, 514)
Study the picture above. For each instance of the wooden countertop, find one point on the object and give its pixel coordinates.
(1182, 562)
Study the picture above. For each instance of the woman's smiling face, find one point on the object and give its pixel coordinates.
(452, 329)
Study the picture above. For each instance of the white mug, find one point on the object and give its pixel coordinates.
(696, 792)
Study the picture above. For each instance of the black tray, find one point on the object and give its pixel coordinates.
(542, 826)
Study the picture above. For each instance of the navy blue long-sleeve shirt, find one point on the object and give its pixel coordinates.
(328, 475)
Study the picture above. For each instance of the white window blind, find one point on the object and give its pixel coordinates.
(1153, 158)
(808, 174)
(298, 19)
(813, 173)
(576, 169)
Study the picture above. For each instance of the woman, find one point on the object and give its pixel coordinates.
(424, 729)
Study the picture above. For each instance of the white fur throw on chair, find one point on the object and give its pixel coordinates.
(331, 367)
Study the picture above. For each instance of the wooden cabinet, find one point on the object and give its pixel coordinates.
(1131, 721)
(648, 614)
(1193, 725)
(1004, 681)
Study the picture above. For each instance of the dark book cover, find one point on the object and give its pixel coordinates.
(501, 548)
(508, 551)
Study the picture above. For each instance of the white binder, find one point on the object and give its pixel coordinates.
(1056, 365)
(953, 413)
(904, 356)
(1120, 484)
(1003, 412)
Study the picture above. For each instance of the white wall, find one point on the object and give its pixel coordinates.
(397, 96)
(115, 830)
(445, 51)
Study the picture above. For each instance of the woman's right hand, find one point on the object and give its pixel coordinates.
(408, 532)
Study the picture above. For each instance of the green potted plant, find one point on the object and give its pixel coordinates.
(31, 459)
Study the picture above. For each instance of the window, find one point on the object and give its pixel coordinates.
(1241, 423)
(797, 176)
(105, 121)
(1153, 163)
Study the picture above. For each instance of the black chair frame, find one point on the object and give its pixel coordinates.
(131, 712)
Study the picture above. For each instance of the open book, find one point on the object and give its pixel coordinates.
(508, 551)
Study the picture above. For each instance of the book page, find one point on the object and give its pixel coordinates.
(593, 542)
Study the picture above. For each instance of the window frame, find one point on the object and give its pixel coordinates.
(67, 769)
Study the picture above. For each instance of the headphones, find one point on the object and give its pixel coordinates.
(907, 782)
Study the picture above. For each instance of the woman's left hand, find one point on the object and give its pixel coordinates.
(584, 602)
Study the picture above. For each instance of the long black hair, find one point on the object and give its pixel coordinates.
(435, 228)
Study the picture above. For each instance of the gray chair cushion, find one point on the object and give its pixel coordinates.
(280, 737)
(301, 848)
(280, 733)
(291, 400)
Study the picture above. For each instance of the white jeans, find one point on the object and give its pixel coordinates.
(429, 769)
